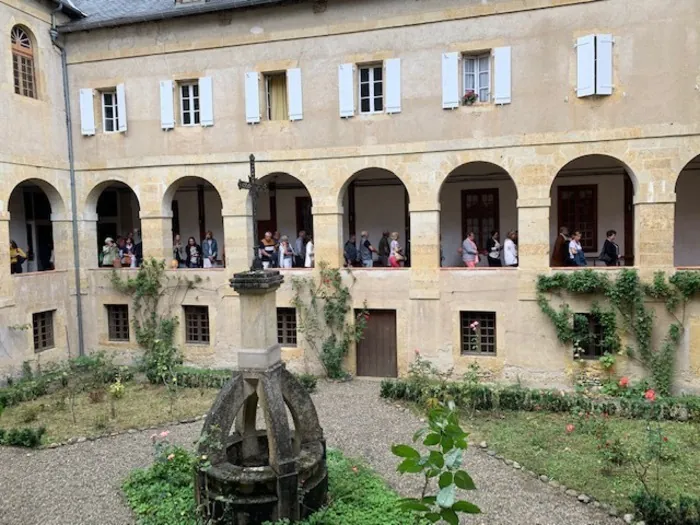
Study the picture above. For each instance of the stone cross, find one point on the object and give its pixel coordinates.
(254, 188)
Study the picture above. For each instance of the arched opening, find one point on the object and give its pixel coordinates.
(118, 226)
(686, 250)
(197, 213)
(478, 197)
(22, 46)
(285, 211)
(31, 204)
(593, 195)
(376, 201)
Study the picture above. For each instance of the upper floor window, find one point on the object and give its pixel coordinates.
(372, 88)
(276, 96)
(110, 111)
(477, 76)
(23, 62)
(189, 104)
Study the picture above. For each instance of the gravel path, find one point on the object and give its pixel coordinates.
(79, 484)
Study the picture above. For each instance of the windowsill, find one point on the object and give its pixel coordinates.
(189, 126)
(118, 342)
(25, 274)
(477, 354)
(198, 345)
(478, 107)
(381, 115)
(41, 350)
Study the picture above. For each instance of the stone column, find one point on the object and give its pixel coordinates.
(653, 233)
(238, 232)
(157, 236)
(7, 288)
(425, 238)
(89, 243)
(533, 243)
(328, 235)
(63, 241)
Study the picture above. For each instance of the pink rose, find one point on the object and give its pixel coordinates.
(164, 434)
(650, 395)
(624, 381)
(570, 428)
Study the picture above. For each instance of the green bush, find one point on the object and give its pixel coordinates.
(189, 377)
(308, 381)
(657, 510)
(22, 437)
(163, 494)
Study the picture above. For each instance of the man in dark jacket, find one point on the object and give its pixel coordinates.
(560, 252)
(350, 252)
(383, 249)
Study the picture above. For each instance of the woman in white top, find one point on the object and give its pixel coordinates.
(286, 255)
(510, 250)
(309, 259)
(396, 257)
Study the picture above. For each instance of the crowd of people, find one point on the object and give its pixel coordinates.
(276, 251)
(497, 254)
(388, 253)
(125, 252)
(567, 250)
(193, 255)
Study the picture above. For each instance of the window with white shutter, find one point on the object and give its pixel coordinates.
(450, 80)
(294, 97)
(206, 102)
(87, 112)
(477, 76)
(189, 103)
(371, 88)
(346, 91)
(594, 70)
(110, 111)
(252, 97)
(167, 108)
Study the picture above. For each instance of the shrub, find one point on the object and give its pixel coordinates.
(308, 381)
(658, 510)
(22, 437)
(188, 377)
(31, 413)
(96, 396)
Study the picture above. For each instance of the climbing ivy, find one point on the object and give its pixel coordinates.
(154, 322)
(323, 305)
(628, 299)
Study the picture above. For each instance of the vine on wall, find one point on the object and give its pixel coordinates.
(154, 322)
(628, 300)
(324, 305)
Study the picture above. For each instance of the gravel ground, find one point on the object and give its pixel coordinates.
(79, 484)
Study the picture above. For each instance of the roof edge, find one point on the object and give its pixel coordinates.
(195, 9)
(69, 9)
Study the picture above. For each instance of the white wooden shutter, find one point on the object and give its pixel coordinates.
(87, 112)
(585, 66)
(502, 74)
(603, 65)
(450, 80)
(206, 104)
(294, 98)
(252, 97)
(167, 108)
(121, 107)
(393, 85)
(346, 91)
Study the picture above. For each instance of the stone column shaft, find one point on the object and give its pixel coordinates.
(238, 233)
(328, 235)
(6, 283)
(653, 235)
(157, 237)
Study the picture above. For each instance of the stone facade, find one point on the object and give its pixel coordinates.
(652, 133)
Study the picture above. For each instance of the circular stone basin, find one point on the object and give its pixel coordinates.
(239, 494)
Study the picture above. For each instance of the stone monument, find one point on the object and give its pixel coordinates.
(258, 475)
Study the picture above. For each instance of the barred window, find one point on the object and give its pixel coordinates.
(23, 62)
(588, 336)
(478, 332)
(42, 325)
(287, 326)
(197, 324)
(118, 322)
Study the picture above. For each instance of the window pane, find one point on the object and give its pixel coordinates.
(364, 75)
(378, 73)
(484, 63)
(483, 80)
(378, 91)
(378, 104)
(196, 104)
(195, 90)
(196, 117)
(364, 90)
(109, 125)
(364, 105)
(186, 118)
(469, 65)
(484, 95)
(185, 90)
(186, 104)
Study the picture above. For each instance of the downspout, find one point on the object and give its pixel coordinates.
(71, 166)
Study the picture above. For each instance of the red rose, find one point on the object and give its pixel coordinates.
(650, 395)
(624, 381)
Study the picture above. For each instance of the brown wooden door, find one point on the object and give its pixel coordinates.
(376, 352)
(480, 215)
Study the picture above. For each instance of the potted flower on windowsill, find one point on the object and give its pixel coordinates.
(469, 97)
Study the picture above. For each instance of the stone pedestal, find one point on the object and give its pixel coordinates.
(256, 474)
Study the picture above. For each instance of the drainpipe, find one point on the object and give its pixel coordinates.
(71, 166)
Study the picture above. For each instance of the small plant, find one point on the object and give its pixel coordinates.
(469, 97)
(446, 443)
(308, 381)
(607, 361)
(117, 389)
(22, 437)
(31, 413)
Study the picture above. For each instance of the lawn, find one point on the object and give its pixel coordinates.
(143, 405)
(540, 442)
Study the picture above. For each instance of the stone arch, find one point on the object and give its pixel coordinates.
(593, 193)
(34, 206)
(686, 251)
(94, 194)
(286, 205)
(196, 207)
(476, 196)
(376, 200)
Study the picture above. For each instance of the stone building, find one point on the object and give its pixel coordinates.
(355, 111)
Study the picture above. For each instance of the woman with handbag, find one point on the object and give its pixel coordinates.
(610, 254)
(17, 258)
(396, 256)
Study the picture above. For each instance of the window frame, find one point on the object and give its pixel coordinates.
(118, 323)
(487, 321)
(197, 325)
(44, 336)
(24, 82)
(588, 246)
(115, 111)
(371, 82)
(476, 59)
(268, 95)
(481, 235)
(595, 348)
(287, 333)
(194, 111)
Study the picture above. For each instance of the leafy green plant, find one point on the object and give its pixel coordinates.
(323, 317)
(31, 413)
(22, 437)
(446, 443)
(308, 381)
(655, 509)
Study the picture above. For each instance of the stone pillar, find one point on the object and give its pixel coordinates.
(425, 238)
(653, 233)
(89, 243)
(328, 235)
(6, 283)
(157, 236)
(238, 232)
(533, 243)
(63, 242)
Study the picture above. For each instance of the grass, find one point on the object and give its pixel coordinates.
(143, 405)
(357, 495)
(540, 442)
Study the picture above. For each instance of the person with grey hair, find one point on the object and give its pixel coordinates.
(286, 254)
(366, 250)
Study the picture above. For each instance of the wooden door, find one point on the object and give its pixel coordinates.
(480, 214)
(376, 352)
(305, 220)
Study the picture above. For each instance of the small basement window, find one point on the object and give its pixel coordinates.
(42, 325)
(478, 333)
(197, 324)
(118, 322)
(287, 326)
